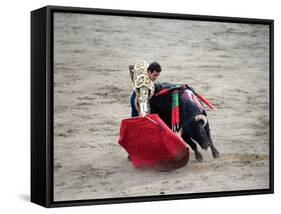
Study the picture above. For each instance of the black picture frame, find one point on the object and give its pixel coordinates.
(42, 105)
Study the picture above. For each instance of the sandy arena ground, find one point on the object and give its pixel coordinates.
(228, 63)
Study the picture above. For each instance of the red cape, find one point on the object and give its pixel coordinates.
(151, 144)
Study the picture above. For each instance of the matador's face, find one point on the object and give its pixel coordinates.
(153, 75)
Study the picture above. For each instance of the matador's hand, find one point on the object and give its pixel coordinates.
(143, 114)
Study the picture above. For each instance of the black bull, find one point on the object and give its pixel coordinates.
(193, 119)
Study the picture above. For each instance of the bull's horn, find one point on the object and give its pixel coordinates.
(201, 117)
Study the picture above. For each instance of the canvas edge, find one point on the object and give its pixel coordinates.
(38, 152)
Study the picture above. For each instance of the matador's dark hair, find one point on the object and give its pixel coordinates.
(154, 66)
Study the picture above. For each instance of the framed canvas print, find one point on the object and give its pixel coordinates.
(131, 106)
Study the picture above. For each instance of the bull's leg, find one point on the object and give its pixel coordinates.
(215, 152)
(198, 155)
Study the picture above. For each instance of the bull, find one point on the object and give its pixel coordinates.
(194, 122)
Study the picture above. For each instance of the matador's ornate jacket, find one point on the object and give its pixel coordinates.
(143, 85)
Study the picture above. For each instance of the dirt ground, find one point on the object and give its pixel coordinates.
(228, 63)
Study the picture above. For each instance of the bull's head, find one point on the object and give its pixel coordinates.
(199, 132)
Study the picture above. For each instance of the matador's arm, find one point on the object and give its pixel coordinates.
(142, 84)
(143, 99)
